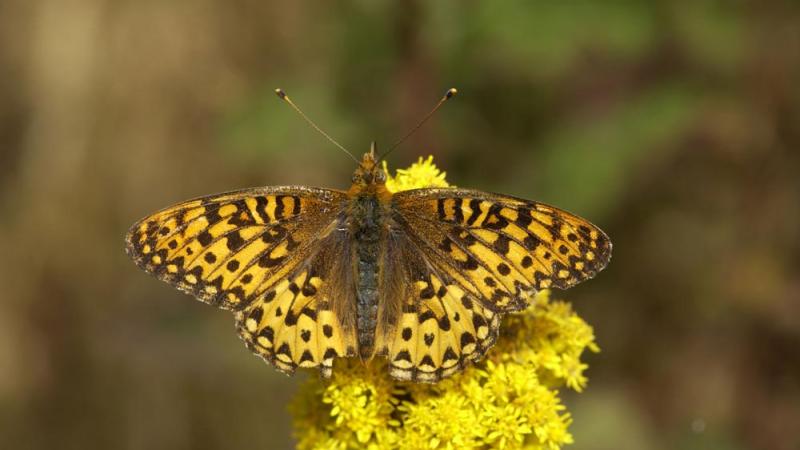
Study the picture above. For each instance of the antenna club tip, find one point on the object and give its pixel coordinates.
(279, 92)
(451, 92)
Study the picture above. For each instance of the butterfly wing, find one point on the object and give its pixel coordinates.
(265, 253)
(438, 325)
(475, 256)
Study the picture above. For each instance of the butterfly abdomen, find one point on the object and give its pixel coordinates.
(366, 232)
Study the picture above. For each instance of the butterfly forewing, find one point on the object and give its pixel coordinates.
(506, 245)
(476, 256)
(259, 252)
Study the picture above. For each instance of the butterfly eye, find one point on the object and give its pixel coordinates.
(356, 179)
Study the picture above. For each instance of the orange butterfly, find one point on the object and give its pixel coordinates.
(421, 277)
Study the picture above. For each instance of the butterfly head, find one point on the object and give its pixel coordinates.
(369, 176)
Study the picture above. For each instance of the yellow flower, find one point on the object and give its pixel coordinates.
(509, 400)
(422, 173)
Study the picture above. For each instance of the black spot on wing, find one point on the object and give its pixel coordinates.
(524, 218)
(205, 238)
(256, 314)
(234, 240)
(266, 261)
(503, 269)
(501, 244)
(466, 339)
(284, 350)
(427, 315)
(530, 242)
(309, 312)
(449, 354)
(406, 333)
(268, 333)
(403, 355)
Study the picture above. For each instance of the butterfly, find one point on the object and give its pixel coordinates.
(421, 277)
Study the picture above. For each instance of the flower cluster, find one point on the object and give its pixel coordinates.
(508, 400)
(422, 173)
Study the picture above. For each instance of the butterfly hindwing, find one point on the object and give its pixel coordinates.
(308, 318)
(257, 252)
(439, 326)
(447, 334)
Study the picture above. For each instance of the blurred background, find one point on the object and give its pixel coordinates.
(673, 125)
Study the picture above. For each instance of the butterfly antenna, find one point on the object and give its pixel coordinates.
(447, 96)
(282, 95)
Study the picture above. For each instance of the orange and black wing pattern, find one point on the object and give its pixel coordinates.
(473, 256)
(265, 253)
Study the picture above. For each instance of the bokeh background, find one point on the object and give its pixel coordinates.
(673, 125)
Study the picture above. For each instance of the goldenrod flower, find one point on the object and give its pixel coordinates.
(508, 400)
(422, 173)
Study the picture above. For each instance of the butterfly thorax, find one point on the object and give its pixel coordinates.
(369, 204)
